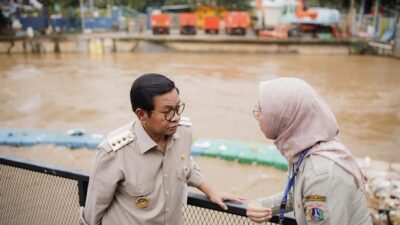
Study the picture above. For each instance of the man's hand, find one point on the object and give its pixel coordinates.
(219, 198)
(257, 213)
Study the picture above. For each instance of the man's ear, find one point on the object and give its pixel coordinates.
(141, 115)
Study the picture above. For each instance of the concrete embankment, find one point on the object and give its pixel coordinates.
(126, 42)
(123, 42)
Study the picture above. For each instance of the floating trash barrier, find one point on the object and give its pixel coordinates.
(231, 150)
(76, 138)
(243, 152)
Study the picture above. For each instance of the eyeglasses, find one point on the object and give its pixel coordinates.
(257, 111)
(170, 114)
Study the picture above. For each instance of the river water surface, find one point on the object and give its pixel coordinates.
(60, 92)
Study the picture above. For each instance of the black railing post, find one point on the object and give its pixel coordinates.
(82, 189)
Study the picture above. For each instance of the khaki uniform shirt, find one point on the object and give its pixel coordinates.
(133, 182)
(323, 193)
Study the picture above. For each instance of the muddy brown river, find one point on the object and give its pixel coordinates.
(60, 92)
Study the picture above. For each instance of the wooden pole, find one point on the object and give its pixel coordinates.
(82, 15)
(376, 12)
(350, 18)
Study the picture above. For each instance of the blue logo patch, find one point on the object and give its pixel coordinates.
(315, 212)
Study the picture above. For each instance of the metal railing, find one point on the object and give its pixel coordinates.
(36, 193)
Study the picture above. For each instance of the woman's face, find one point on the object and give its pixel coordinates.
(259, 117)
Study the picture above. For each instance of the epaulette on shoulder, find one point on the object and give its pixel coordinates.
(185, 121)
(121, 137)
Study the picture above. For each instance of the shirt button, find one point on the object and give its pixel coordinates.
(166, 175)
(166, 193)
(167, 209)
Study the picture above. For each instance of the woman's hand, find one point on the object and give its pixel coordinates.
(257, 213)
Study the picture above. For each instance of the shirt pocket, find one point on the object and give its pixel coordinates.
(143, 189)
(182, 172)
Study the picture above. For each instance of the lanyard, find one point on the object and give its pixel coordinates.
(289, 186)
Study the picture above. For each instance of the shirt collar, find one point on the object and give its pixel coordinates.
(144, 140)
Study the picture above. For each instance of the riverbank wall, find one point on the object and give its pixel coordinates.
(99, 43)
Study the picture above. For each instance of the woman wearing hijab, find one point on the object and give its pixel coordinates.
(325, 185)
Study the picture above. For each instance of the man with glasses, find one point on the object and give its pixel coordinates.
(141, 171)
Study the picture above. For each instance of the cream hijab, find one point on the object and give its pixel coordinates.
(296, 118)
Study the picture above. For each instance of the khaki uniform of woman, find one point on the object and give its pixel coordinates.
(328, 187)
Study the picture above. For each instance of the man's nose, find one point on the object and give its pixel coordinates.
(176, 117)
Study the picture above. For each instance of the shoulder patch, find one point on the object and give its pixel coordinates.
(185, 121)
(121, 137)
(316, 212)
